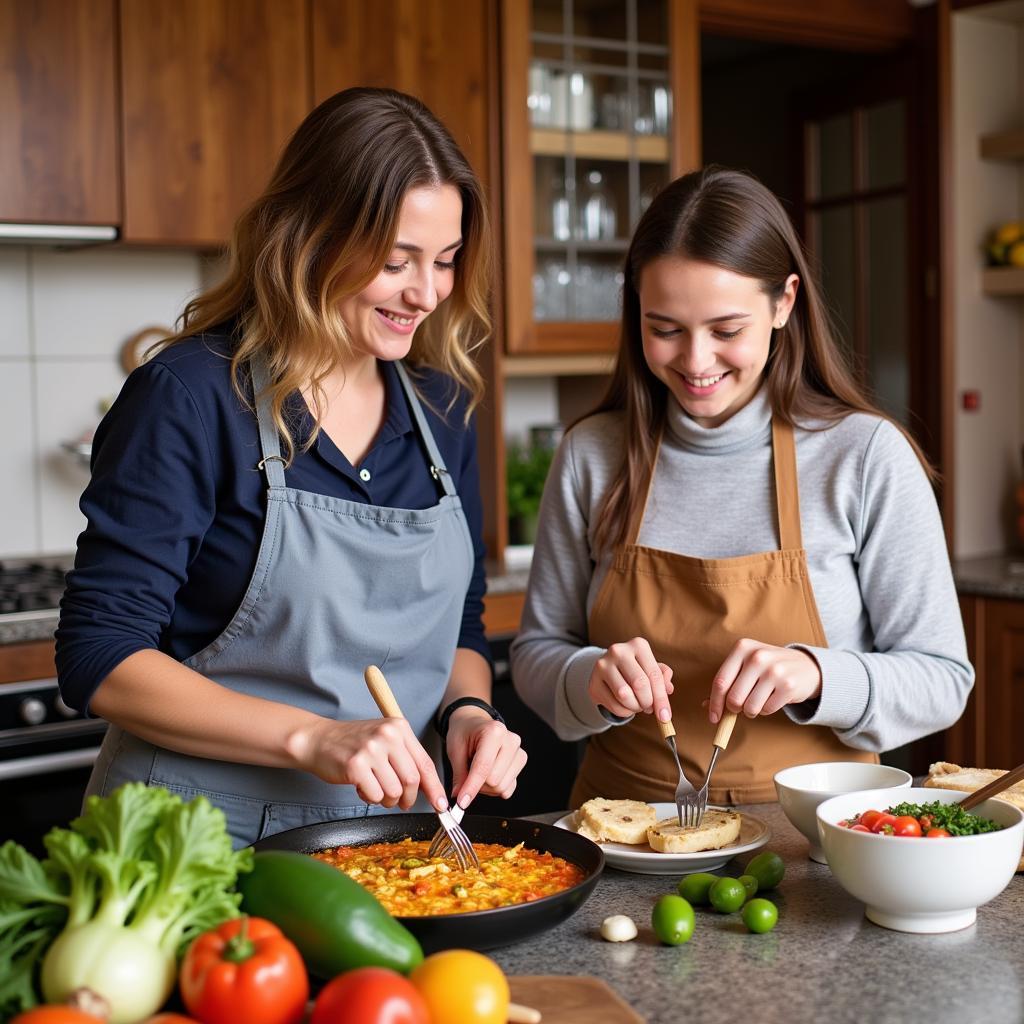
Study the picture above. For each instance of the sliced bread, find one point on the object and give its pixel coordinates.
(615, 821)
(717, 829)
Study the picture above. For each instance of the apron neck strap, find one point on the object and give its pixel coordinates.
(438, 470)
(272, 462)
(787, 491)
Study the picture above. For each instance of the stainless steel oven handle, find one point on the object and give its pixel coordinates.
(46, 763)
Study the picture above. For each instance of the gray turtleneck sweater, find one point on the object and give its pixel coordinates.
(896, 664)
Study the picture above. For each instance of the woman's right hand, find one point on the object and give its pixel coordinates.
(381, 757)
(628, 679)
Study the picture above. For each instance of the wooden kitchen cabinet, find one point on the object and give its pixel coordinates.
(989, 733)
(600, 108)
(58, 112)
(211, 90)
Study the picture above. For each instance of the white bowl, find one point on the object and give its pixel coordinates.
(804, 786)
(920, 885)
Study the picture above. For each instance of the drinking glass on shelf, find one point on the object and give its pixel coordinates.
(551, 290)
(596, 210)
(561, 224)
(538, 99)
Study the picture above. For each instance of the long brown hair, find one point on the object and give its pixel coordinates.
(322, 230)
(729, 219)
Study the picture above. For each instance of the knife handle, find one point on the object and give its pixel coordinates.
(667, 729)
(725, 729)
(381, 692)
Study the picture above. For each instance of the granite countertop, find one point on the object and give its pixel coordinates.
(991, 576)
(824, 961)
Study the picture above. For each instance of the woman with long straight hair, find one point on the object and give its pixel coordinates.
(735, 528)
(288, 492)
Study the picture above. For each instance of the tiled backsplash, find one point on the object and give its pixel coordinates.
(63, 319)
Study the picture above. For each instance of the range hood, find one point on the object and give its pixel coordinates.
(56, 234)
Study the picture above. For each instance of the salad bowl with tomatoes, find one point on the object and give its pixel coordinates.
(918, 862)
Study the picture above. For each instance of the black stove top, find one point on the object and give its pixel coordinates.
(29, 587)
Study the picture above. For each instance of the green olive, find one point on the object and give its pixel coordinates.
(673, 920)
(727, 895)
(694, 888)
(760, 915)
(768, 869)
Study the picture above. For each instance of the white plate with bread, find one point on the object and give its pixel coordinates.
(626, 830)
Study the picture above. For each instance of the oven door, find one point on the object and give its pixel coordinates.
(47, 751)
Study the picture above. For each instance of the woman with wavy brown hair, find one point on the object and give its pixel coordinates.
(735, 529)
(288, 492)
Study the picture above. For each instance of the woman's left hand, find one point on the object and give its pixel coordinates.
(486, 757)
(758, 679)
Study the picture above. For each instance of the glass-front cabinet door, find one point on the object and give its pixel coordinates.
(600, 101)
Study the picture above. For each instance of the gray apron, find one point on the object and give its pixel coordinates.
(338, 585)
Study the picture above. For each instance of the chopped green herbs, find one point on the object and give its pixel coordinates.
(952, 817)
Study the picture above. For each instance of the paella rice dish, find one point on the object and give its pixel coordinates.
(410, 884)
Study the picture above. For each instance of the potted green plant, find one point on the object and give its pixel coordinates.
(526, 469)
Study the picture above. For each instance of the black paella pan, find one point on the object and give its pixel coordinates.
(479, 929)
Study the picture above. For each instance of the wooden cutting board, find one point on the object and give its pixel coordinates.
(572, 999)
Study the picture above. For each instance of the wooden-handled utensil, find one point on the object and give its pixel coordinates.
(997, 786)
(722, 736)
(385, 701)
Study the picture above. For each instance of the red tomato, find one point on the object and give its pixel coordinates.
(370, 995)
(170, 1018)
(859, 828)
(868, 819)
(936, 833)
(245, 970)
(907, 825)
(884, 824)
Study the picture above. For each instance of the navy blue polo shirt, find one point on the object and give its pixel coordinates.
(176, 504)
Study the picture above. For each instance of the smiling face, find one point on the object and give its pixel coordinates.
(417, 277)
(706, 333)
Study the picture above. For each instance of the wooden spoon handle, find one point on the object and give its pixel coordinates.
(519, 1014)
(1003, 782)
(725, 727)
(667, 728)
(381, 692)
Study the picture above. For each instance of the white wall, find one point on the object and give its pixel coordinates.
(988, 331)
(63, 318)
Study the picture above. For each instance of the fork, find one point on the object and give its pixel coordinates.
(385, 700)
(686, 795)
(721, 741)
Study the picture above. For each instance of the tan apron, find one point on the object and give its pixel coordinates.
(692, 611)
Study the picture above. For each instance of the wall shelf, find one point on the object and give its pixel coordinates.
(1002, 146)
(1003, 281)
(598, 145)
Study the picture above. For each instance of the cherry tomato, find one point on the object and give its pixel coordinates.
(370, 995)
(907, 825)
(170, 1018)
(868, 819)
(859, 828)
(936, 833)
(884, 824)
(244, 970)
